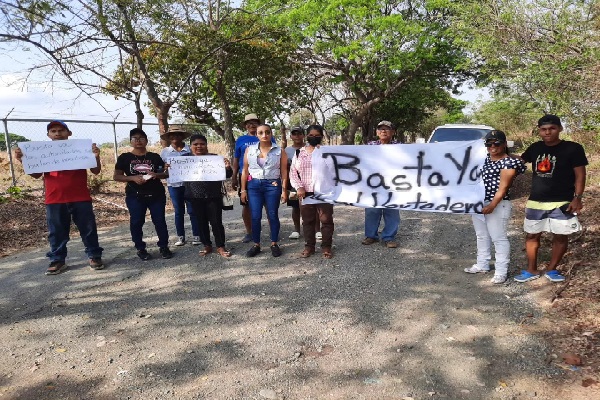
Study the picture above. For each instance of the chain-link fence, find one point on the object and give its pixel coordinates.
(109, 136)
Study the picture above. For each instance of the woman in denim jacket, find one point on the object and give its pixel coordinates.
(263, 177)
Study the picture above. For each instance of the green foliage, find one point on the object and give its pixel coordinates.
(249, 71)
(96, 183)
(371, 49)
(515, 115)
(14, 139)
(13, 192)
(412, 112)
(545, 50)
(337, 124)
(302, 117)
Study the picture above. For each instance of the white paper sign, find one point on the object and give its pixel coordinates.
(434, 177)
(196, 168)
(57, 155)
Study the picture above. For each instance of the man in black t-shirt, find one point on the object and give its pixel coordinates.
(142, 170)
(556, 196)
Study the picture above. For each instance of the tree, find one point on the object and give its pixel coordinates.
(409, 109)
(547, 51)
(373, 48)
(512, 114)
(67, 44)
(102, 46)
(336, 125)
(13, 139)
(247, 71)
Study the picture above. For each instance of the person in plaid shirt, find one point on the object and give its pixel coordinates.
(301, 179)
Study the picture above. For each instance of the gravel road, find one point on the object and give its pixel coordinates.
(371, 323)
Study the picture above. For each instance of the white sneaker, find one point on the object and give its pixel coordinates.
(318, 235)
(180, 241)
(295, 235)
(498, 279)
(196, 240)
(476, 270)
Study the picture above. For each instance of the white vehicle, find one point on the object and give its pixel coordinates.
(458, 132)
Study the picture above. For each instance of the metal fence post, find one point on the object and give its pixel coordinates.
(10, 159)
(114, 124)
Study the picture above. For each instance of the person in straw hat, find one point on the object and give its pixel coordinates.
(175, 136)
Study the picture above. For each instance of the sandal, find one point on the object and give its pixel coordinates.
(307, 252)
(223, 252)
(207, 250)
(326, 251)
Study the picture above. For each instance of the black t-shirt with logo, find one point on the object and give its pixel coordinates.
(132, 164)
(553, 174)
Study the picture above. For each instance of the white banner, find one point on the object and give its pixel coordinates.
(435, 177)
(57, 155)
(196, 168)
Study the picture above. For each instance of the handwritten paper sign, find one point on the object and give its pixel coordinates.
(196, 168)
(435, 177)
(57, 155)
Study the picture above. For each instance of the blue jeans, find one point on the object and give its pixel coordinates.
(391, 219)
(179, 205)
(137, 216)
(58, 217)
(264, 192)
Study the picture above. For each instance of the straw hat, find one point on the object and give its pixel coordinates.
(175, 129)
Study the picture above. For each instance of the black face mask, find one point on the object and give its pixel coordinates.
(314, 140)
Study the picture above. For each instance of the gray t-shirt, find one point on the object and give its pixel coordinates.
(291, 152)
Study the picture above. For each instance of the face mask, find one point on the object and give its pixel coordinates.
(314, 140)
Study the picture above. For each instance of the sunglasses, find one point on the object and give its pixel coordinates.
(296, 133)
(490, 144)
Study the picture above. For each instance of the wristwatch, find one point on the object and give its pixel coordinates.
(578, 196)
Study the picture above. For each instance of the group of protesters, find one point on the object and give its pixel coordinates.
(266, 175)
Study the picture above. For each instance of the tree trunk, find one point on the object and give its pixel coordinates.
(220, 89)
(227, 121)
(162, 115)
(283, 132)
(139, 114)
(228, 128)
(358, 116)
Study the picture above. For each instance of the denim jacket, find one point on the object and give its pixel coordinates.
(271, 168)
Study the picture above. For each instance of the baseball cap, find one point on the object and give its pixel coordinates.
(495, 135)
(57, 122)
(137, 131)
(549, 119)
(386, 123)
(297, 129)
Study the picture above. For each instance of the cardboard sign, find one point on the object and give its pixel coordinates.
(196, 168)
(57, 155)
